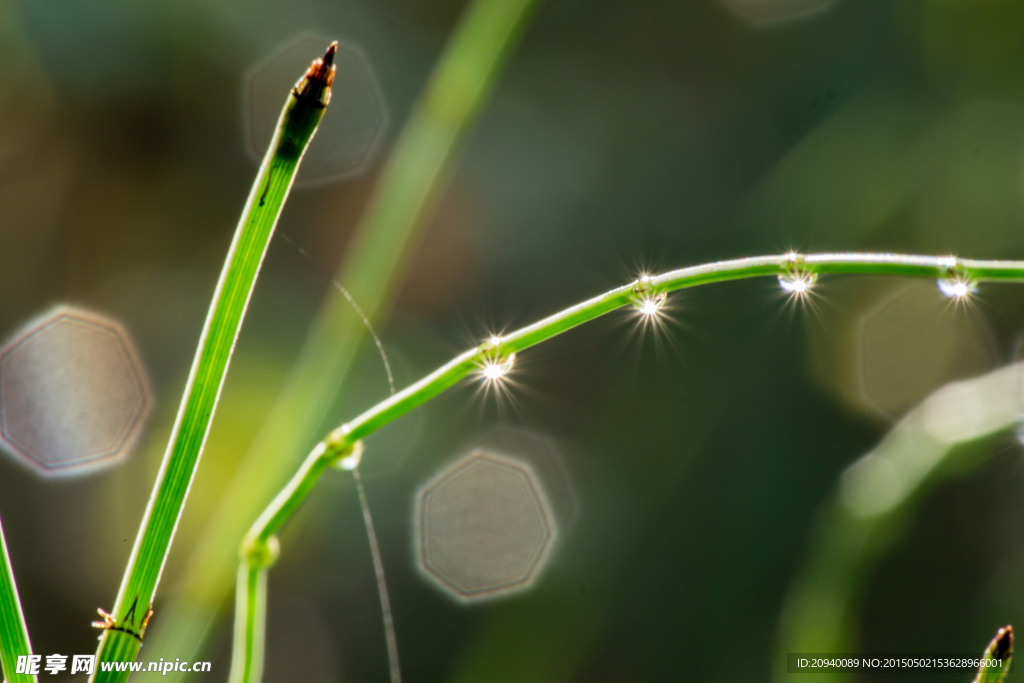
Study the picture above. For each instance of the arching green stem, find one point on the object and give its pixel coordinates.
(258, 543)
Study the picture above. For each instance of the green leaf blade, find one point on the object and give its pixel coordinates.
(404, 198)
(14, 641)
(302, 113)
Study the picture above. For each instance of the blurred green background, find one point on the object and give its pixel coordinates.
(621, 136)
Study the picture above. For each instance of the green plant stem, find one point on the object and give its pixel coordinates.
(403, 201)
(126, 625)
(340, 442)
(250, 623)
(13, 631)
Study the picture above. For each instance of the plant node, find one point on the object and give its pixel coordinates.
(646, 298)
(349, 457)
(797, 280)
(257, 553)
(494, 364)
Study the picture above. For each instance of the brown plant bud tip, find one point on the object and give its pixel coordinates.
(322, 70)
(1004, 642)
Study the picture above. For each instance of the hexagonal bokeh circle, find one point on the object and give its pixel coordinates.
(353, 125)
(484, 528)
(768, 12)
(73, 393)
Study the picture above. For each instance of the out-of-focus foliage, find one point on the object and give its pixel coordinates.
(623, 136)
(872, 501)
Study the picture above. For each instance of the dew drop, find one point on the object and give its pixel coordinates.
(646, 300)
(797, 283)
(650, 305)
(496, 368)
(957, 287)
(351, 461)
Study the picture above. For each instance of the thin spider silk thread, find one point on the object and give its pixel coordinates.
(359, 311)
(382, 586)
(371, 534)
(369, 327)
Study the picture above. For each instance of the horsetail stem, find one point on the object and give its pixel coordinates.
(499, 352)
(302, 113)
(409, 186)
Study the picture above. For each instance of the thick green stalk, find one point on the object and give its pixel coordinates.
(302, 112)
(14, 640)
(403, 201)
(495, 357)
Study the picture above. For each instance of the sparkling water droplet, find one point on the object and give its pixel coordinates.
(496, 367)
(957, 287)
(797, 283)
(647, 301)
(651, 304)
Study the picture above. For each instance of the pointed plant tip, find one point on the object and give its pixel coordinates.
(1004, 642)
(321, 71)
(329, 55)
(997, 658)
